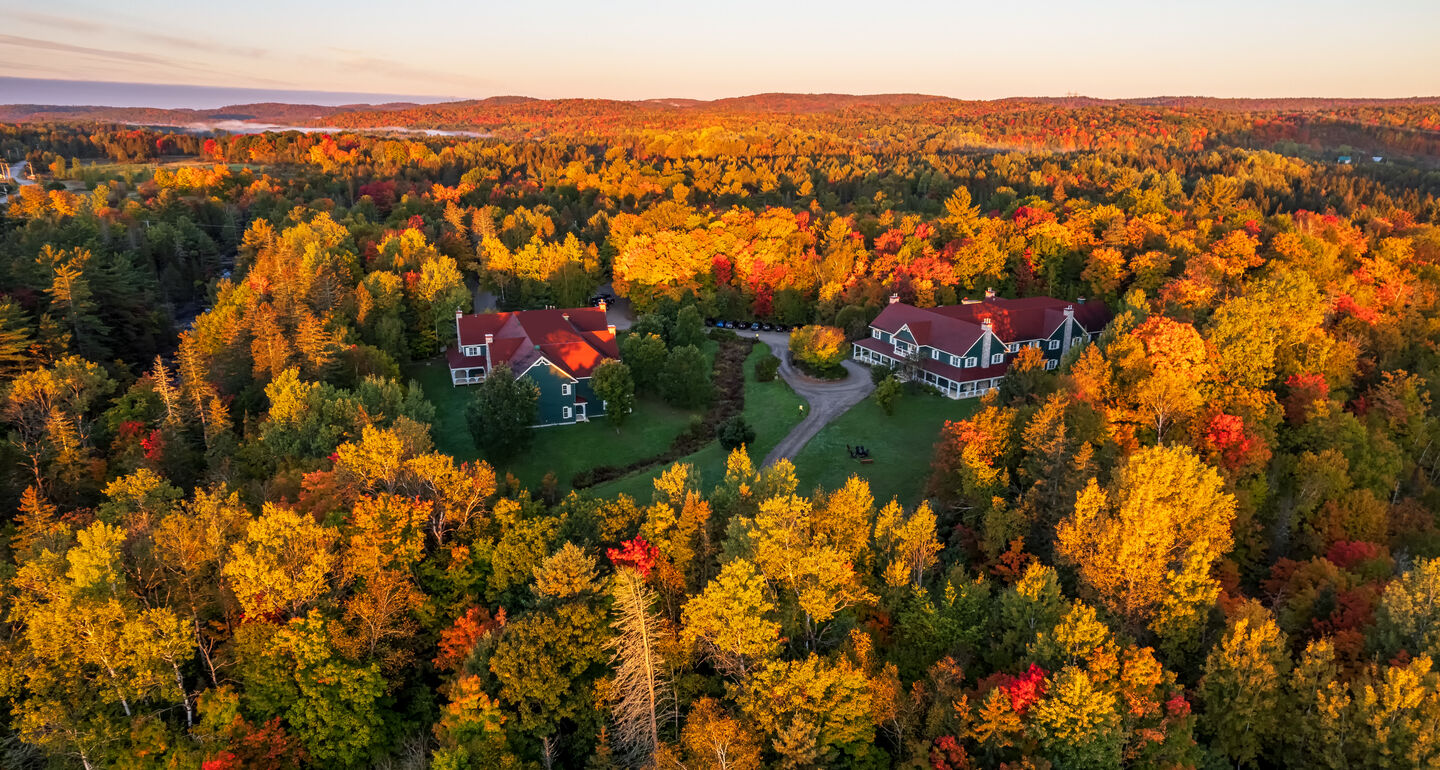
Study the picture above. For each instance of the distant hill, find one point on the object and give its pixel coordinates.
(523, 114)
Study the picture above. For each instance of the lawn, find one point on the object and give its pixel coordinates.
(900, 444)
(771, 408)
(565, 449)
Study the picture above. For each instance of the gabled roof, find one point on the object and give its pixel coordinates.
(954, 328)
(576, 340)
(929, 328)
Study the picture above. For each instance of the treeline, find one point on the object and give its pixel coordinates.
(1209, 539)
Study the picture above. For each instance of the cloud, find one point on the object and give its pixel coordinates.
(103, 53)
(74, 23)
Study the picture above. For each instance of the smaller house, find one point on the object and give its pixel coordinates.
(965, 350)
(557, 349)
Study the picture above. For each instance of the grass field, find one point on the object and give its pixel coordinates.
(901, 446)
(771, 408)
(565, 449)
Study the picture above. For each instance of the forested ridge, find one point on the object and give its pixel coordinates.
(1209, 539)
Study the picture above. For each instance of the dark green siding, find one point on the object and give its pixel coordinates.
(594, 407)
(552, 404)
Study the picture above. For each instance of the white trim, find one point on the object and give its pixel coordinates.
(543, 360)
(998, 358)
(971, 362)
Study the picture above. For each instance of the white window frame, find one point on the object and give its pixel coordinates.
(955, 361)
(1033, 344)
(565, 411)
(1051, 364)
(935, 353)
(971, 362)
(875, 333)
(998, 358)
(1013, 347)
(565, 389)
(1054, 344)
(1076, 340)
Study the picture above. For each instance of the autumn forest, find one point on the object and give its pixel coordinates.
(241, 529)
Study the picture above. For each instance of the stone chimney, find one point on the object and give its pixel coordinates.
(566, 316)
(989, 294)
(1070, 311)
(458, 314)
(602, 306)
(894, 298)
(986, 330)
(489, 338)
(611, 328)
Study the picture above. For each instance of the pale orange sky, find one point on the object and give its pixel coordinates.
(627, 49)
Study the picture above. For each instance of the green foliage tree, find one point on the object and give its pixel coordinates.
(686, 378)
(500, 414)
(735, 433)
(613, 384)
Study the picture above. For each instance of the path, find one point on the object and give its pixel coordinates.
(827, 399)
(18, 173)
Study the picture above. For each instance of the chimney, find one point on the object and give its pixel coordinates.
(1079, 300)
(602, 306)
(489, 338)
(894, 298)
(989, 294)
(1069, 311)
(611, 328)
(566, 316)
(458, 314)
(986, 330)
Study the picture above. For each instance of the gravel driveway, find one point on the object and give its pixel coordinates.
(827, 399)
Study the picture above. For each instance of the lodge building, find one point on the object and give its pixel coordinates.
(558, 349)
(964, 350)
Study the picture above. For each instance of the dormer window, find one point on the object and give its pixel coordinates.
(998, 358)
(875, 333)
(935, 353)
(971, 362)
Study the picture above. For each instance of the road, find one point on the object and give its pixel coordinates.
(827, 399)
(17, 171)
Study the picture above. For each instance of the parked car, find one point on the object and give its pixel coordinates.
(766, 327)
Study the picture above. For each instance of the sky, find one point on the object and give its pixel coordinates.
(632, 49)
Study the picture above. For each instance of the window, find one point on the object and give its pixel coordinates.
(875, 333)
(1033, 344)
(998, 358)
(566, 412)
(1013, 347)
(1076, 341)
(935, 353)
(472, 350)
(1050, 364)
(971, 361)
(1054, 344)
(565, 389)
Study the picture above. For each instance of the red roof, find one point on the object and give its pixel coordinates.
(954, 328)
(576, 340)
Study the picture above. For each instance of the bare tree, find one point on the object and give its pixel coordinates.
(641, 696)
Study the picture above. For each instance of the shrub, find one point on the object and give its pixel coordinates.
(879, 373)
(887, 393)
(766, 368)
(735, 433)
(819, 350)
